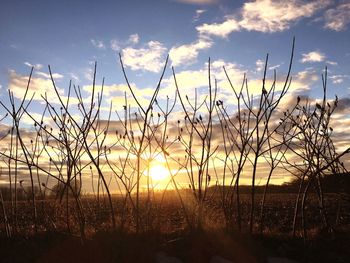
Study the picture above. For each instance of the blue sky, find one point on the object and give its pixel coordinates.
(70, 35)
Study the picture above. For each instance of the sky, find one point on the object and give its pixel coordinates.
(71, 36)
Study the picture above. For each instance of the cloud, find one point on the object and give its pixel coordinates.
(150, 57)
(115, 93)
(18, 83)
(306, 76)
(89, 74)
(343, 106)
(259, 65)
(264, 16)
(337, 18)
(134, 38)
(198, 2)
(302, 82)
(313, 56)
(274, 16)
(332, 63)
(108, 89)
(338, 79)
(39, 86)
(47, 76)
(37, 116)
(199, 12)
(118, 101)
(187, 54)
(219, 29)
(189, 80)
(115, 45)
(74, 76)
(98, 43)
(36, 66)
(275, 66)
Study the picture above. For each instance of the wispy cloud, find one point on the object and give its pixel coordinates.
(88, 74)
(313, 56)
(150, 57)
(275, 66)
(115, 45)
(187, 54)
(47, 76)
(36, 66)
(264, 16)
(338, 79)
(134, 38)
(98, 43)
(14, 46)
(74, 77)
(259, 65)
(332, 63)
(338, 18)
(199, 12)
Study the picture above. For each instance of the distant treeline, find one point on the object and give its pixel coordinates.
(25, 192)
(335, 183)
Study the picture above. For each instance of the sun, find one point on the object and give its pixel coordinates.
(158, 172)
(157, 169)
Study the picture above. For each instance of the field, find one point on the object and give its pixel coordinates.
(166, 233)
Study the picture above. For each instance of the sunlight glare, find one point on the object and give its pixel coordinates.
(158, 172)
(157, 169)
